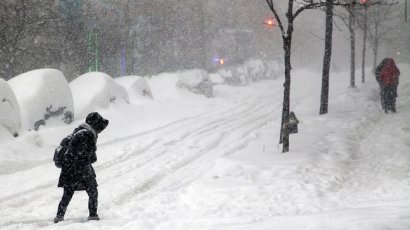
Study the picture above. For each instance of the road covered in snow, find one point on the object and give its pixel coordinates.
(188, 162)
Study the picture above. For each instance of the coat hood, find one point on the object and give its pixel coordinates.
(96, 121)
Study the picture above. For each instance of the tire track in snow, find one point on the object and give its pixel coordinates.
(27, 197)
(179, 164)
(172, 133)
(174, 126)
(201, 129)
(207, 128)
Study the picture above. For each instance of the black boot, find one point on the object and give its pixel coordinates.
(96, 217)
(58, 219)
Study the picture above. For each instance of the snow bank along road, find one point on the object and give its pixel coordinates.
(220, 170)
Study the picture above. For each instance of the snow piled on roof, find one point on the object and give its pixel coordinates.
(95, 90)
(41, 94)
(9, 108)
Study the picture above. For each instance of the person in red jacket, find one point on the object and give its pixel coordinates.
(387, 75)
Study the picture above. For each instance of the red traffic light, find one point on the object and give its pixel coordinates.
(270, 22)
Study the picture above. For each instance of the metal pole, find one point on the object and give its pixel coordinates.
(96, 52)
(89, 45)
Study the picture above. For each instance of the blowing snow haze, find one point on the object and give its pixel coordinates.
(151, 36)
(211, 124)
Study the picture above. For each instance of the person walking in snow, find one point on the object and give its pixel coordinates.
(387, 75)
(77, 173)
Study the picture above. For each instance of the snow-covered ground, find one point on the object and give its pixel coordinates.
(183, 161)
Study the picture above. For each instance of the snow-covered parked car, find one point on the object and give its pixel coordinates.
(9, 109)
(216, 78)
(43, 94)
(273, 68)
(255, 70)
(196, 81)
(234, 75)
(258, 70)
(95, 90)
(136, 86)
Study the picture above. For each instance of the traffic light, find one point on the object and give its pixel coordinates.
(270, 22)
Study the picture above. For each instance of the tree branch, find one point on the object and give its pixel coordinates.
(311, 5)
(272, 8)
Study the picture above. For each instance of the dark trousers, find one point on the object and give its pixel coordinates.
(389, 95)
(68, 194)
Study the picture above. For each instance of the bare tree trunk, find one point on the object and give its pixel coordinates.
(287, 46)
(286, 95)
(364, 45)
(352, 48)
(324, 97)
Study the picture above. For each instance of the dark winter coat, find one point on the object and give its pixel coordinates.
(387, 73)
(76, 170)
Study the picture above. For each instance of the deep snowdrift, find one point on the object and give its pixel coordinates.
(43, 94)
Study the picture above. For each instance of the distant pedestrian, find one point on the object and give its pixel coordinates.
(75, 155)
(387, 75)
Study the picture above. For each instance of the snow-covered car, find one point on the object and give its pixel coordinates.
(9, 109)
(196, 81)
(95, 90)
(136, 87)
(251, 71)
(43, 94)
(255, 70)
(234, 75)
(274, 68)
(216, 78)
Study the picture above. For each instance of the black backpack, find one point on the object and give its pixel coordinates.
(61, 150)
